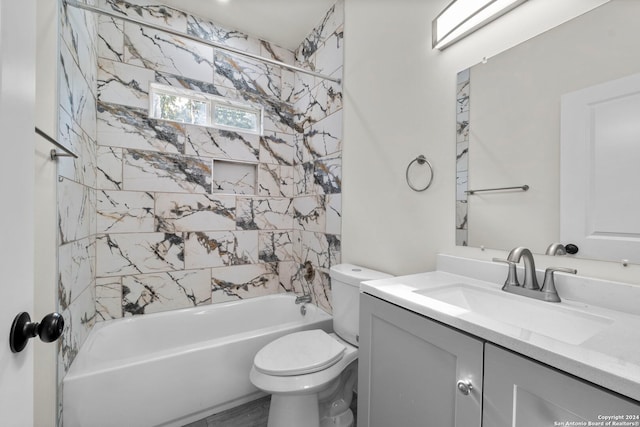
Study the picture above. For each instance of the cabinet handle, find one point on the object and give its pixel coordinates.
(464, 387)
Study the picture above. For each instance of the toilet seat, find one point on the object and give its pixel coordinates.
(299, 353)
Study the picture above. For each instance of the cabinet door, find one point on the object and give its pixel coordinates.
(409, 367)
(519, 392)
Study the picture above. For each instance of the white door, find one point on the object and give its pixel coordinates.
(17, 94)
(600, 173)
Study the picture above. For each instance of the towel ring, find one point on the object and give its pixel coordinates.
(421, 161)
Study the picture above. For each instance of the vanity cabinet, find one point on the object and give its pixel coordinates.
(523, 393)
(410, 368)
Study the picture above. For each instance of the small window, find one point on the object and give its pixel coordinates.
(198, 108)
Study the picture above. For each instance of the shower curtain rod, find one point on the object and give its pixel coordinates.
(215, 45)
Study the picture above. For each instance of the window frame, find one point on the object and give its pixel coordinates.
(212, 102)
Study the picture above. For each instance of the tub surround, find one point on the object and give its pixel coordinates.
(152, 217)
(608, 358)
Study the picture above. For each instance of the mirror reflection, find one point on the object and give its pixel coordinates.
(527, 118)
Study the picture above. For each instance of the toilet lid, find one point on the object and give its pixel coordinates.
(299, 353)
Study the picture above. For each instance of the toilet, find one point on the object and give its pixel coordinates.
(311, 375)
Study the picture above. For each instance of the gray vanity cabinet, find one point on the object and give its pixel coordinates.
(414, 372)
(521, 392)
(409, 368)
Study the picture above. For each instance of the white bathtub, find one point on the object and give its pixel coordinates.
(172, 368)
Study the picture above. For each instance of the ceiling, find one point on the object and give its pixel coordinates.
(283, 22)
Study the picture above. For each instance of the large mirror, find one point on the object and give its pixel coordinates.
(513, 123)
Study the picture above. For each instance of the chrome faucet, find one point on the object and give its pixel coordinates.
(556, 249)
(530, 287)
(530, 279)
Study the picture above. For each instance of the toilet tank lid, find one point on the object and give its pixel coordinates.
(354, 274)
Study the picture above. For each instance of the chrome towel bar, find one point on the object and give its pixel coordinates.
(520, 187)
(54, 153)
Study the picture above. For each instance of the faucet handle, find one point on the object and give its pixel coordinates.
(512, 276)
(549, 285)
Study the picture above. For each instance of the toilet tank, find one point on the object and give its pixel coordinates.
(345, 298)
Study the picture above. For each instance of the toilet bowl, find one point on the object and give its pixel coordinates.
(311, 375)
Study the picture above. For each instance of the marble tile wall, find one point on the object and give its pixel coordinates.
(77, 180)
(189, 215)
(462, 155)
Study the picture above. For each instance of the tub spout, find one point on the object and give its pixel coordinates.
(301, 299)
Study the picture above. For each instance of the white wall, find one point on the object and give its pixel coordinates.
(399, 101)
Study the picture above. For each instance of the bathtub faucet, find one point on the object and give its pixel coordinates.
(301, 299)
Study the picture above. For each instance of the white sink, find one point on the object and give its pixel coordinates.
(553, 320)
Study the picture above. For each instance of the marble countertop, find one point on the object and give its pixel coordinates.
(608, 356)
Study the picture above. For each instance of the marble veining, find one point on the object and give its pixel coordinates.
(220, 248)
(151, 171)
(152, 293)
(136, 253)
(245, 281)
(194, 212)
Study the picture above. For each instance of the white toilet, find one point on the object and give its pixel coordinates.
(311, 375)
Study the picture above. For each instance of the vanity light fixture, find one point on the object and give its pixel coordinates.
(462, 17)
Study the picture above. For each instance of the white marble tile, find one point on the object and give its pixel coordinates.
(110, 38)
(76, 96)
(462, 185)
(137, 253)
(322, 250)
(304, 179)
(243, 281)
(152, 293)
(256, 77)
(275, 180)
(109, 168)
(462, 237)
(321, 289)
(278, 53)
(108, 298)
(260, 213)
(78, 32)
(125, 212)
(324, 100)
(277, 148)
(150, 11)
(164, 52)
(79, 320)
(461, 215)
(127, 127)
(211, 31)
(182, 82)
(275, 246)
(220, 248)
(287, 275)
(234, 177)
(220, 144)
(150, 171)
(321, 139)
(462, 126)
(309, 213)
(74, 215)
(124, 84)
(334, 214)
(76, 261)
(82, 169)
(327, 175)
(195, 212)
(329, 57)
(462, 156)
